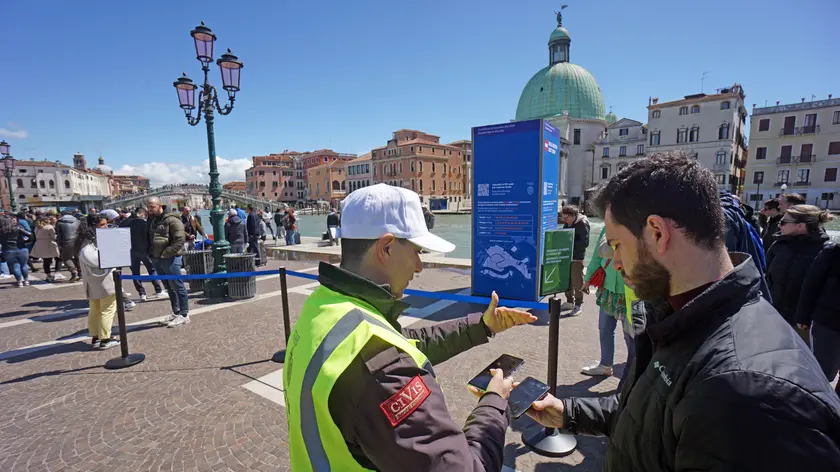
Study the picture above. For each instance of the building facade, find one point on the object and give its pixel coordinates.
(711, 127)
(235, 186)
(418, 161)
(623, 142)
(465, 145)
(326, 182)
(569, 97)
(128, 185)
(795, 147)
(51, 184)
(272, 177)
(358, 173)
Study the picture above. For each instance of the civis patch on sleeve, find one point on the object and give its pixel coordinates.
(403, 403)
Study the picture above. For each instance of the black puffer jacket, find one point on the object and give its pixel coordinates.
(788, 261)
(771, 233)
(820, 297)
(581, 227)
(139, 234)
(235, 231)
(66, 232)
(722, 384)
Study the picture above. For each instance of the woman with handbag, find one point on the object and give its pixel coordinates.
(610, 297)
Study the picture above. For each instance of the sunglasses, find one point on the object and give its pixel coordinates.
(783, 222)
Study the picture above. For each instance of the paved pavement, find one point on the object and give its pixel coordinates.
(206, 398)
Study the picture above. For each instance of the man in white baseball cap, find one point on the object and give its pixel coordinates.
(361, 390)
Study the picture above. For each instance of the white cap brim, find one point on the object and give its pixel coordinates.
(433, 243)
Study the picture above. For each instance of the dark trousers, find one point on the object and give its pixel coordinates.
(825, 343)
(48, 263)
(72, 265)
(254, 248)
(136, 259)
(178, 297)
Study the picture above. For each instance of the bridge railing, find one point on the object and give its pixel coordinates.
(190, 189)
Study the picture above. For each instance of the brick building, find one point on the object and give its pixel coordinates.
(326, 182)
(272, 177)
(235, 186)
(358, 173)
(128, 184)
(418, 161)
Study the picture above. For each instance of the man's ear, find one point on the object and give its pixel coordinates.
(660, 231)
(383, 247)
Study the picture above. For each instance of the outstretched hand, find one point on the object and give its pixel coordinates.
(548, 411)
(499, 318)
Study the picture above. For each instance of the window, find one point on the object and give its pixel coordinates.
(433, 185)
(654, 138)
(803, 175)
(623, 132)
(421, 185)
(720, 179)
(605, 173)
(640, 149)
(783, 176)
(834, 148)
(433, 150)
(810, 123)
(761, 153)
(622, 151)
(836, 119)
(723, 131)
(683, 110)
(764, 125)
(400, 167)
(720, 157)
(694, 136)
(695, 109)
(785, 158)
(682, 135)
(20, 183)
(412, 184)
(421, 170)
(724, 105)
(577, 136)
(758, 177)
(606, 152)
(656, 114)
(433, 170)
(830, 175)
(411, 166)
(444, 168)
(42, 184)
(52, 184)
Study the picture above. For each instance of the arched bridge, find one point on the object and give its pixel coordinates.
(228, 197)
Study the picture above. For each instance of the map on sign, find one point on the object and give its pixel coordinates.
(500, 264)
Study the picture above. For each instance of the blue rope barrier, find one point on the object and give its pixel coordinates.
(415, 293)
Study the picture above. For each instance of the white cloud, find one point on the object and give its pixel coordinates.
(164, 173)
(19, 134)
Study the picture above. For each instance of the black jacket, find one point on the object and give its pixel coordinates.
(723, 384)
(788, 261)
(332, 219)
(66, 233)
(820, 296)
(139, 234)
(741, 236)
(235, 231)
(581, 227)
(252, 224)
(771, 232)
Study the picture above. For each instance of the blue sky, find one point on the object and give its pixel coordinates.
(96, 77)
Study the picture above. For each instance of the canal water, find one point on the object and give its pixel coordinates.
(457, 229)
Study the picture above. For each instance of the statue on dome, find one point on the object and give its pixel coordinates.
(560, 15)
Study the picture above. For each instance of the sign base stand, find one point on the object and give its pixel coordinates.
(550, 442)
(123, 362)
(279, 357)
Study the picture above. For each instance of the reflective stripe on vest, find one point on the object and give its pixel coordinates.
(320, 439)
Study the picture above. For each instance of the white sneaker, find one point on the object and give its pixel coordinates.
(167, 319)
(143, 298)
(567, 306)
(576, 310)
(179, 320)
(129, 305)
(6, 276)
(109, 344)
(163, 294)
(597, 370)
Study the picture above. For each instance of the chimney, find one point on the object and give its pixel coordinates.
(777, 103)
(829, 96)
(803, 99)
(650, 100)
(655, 100)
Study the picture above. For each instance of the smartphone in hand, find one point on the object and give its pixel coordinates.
(527, 392)
(506, 362)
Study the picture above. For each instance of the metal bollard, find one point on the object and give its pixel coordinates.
(550, 441)
(126, 359)
(280, 356)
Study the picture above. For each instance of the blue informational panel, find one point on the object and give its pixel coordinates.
(515, 174)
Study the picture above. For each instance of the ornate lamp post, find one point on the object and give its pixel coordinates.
(230, 67)
(8, 169)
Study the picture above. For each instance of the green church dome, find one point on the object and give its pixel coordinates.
(562, 86)
(558, 88)
(611, 118)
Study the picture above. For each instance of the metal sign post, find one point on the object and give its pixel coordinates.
(280, 356)
(126, 359)
(549, 441)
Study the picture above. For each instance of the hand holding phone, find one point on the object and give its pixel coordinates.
(524, 395)
(499, 384)
(507, 363)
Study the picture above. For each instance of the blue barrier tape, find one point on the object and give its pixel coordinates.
(415, 293)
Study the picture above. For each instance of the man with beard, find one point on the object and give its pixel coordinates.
(720, 381)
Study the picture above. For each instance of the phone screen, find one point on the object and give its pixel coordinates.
(527, 392)
(506, 362)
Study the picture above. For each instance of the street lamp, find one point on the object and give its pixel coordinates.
(230, 67)
(8, 169)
